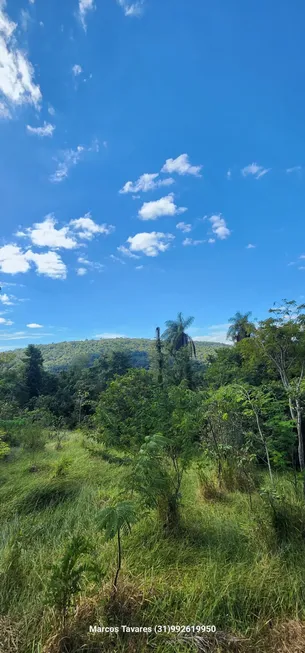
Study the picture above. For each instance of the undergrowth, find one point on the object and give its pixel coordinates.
(232, 564)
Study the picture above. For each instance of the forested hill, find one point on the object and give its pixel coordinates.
(61, 355)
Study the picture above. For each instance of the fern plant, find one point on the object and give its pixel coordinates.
(67, 576)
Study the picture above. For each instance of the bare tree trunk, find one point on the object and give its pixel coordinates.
(265, 445)
(119, 561)
(300, 435)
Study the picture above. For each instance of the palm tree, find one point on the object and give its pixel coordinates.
(159, 357)
(114, 519)
(240, 327)
(175, 334)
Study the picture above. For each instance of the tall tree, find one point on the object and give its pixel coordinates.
(175, 334)
(282, 339)
(241, 327)
(33, 371)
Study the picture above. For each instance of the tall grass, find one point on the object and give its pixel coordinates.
(225, 566)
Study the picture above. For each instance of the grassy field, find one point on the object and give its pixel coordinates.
(223, 566)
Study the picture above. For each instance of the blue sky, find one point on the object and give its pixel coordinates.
(152, 161)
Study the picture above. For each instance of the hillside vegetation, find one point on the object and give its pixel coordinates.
(61, 355)
(169, 500)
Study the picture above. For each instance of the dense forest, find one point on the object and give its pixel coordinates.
(62, 355)
(168, 491)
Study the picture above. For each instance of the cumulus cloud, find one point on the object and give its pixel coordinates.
(139, 267)
(17, 86)
(34, 325)
(84, 7)
(6, 322)
(250, 246)
(150, 244)
(49, 264)
(132, 9)
(190, 241)
(254, 170)
(81, 272)
(13, 261)
(146, 182)
(185, 228)
(87, 228)
(45, 234)
(6, 299)
(181, 165)
(77, 69)
(163, 206)
(46, 130)
(219, 227)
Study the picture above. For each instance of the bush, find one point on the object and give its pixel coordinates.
(209, 488)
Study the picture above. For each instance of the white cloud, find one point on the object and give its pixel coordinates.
(17, 85)
(6, 322)
(51, 110)
(181, 165)
(87, 228)
(92, 265)
(5, 113)
(219, 227)
(139, 267)
(133, 9)
(25, 19)
(46, 130)
(84, 7)
(6, 299)
(77, 69)
(45, 234)
(147, 182)
(211, 240)
(12, 260)
(294, 169)
(185, 228)
(31, 2)
(49, 264)
(110, 335)
(116, 259)
(150, 244)
(34, 325)
(126, 252)
(81, 272)
(229, 174)
(250, 246)
(216, 333)
(163, 206)
(254, 170)
(69, 158)
(21, 335)
(190, 241)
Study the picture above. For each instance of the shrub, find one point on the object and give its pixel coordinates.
(67, 576)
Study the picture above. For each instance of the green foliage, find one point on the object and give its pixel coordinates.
(4, 447)
(124, 414)
(114, 520)
(67, 576)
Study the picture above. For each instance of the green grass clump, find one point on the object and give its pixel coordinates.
(228, 564)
